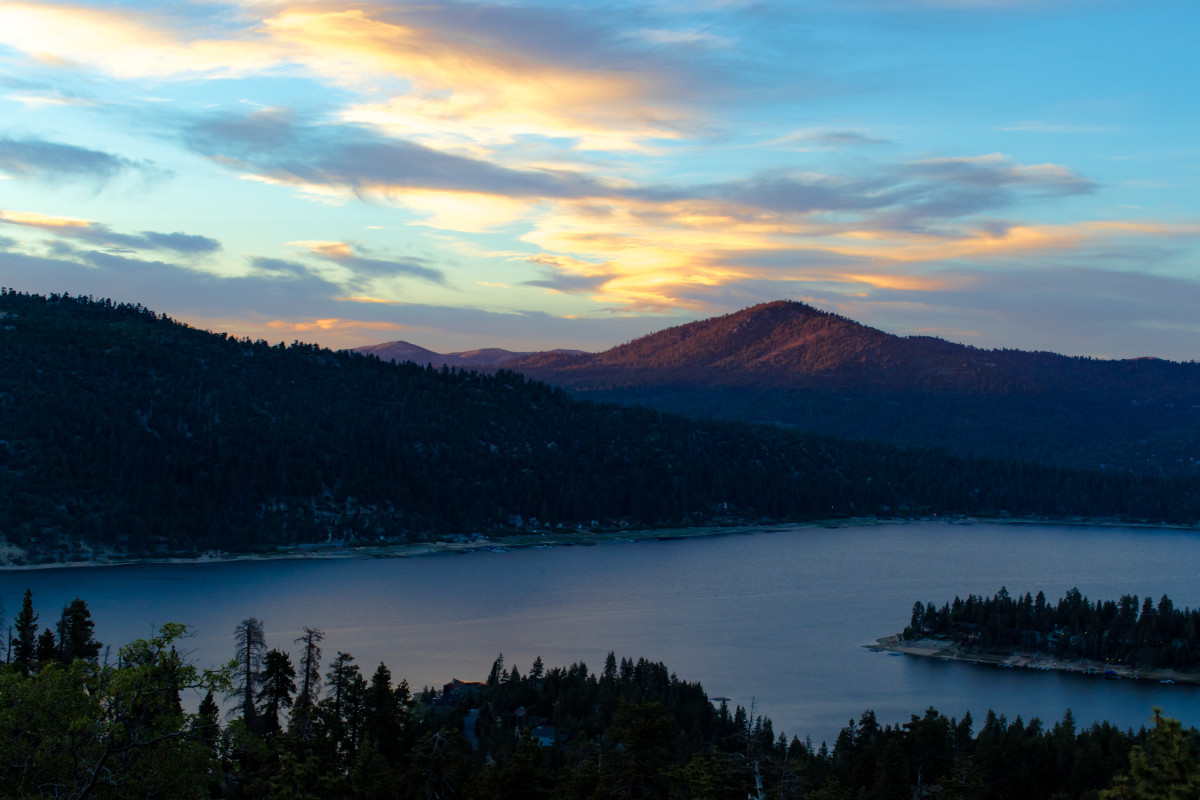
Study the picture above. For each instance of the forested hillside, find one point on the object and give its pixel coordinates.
(120, 428)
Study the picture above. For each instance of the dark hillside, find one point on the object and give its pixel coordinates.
(122, 428)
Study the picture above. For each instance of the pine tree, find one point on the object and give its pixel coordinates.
(310, 666)
(497, 675)
(277, 682)
(251, 646)
(24, 643)
(382, 712)
(75, 629)
(47, 647)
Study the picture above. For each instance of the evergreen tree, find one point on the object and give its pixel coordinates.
(497, 675)
(75, 630)
(276, 685)
(251, 646)
(310, 666)
(24, 643)
(1166, 767)
(382, 713)
(47, 647)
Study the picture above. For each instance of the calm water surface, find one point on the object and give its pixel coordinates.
(776, 617)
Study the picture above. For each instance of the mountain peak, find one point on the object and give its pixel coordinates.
(781, 336)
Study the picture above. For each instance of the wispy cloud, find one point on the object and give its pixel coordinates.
(101, 235)
(820, 138)
(277, 146)
(46, 161)
(346, 255)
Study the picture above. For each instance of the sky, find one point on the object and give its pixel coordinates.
(531, 175)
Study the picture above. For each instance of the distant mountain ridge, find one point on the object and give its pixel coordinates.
(787, 342)
(787, 362)
(401, 351)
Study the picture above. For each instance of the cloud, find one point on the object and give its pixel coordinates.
(997, 170)
(568, 283)
(334, 325)
(183, 292)
(101, 235)
(1067, 309)
(465, 193)
(344, 254)
(827, 139)
(41, 160)
(478, 74)
(129, 45)
(487, 92)
(181, 242)
(276, 146)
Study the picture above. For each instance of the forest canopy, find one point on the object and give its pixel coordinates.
(302, 724)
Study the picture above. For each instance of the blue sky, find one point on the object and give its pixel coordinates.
(532, 175)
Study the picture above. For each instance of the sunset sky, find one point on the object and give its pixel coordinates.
(529, 175)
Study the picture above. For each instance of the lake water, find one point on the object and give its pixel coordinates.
(776, 617)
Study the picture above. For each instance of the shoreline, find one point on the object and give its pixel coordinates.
(950, 650)
(574, 539)
(444, 547)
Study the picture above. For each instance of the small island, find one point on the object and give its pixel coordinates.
(1119, 639)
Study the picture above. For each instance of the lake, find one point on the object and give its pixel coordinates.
(778, 617)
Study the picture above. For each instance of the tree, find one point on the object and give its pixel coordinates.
(343, 704)
(251, 646)
(277, 682)
(310, 666)
(75, 630)
(47, 647)
(497, 675)
(1167, 767)
(25, 641)
(83, 730)
(641, 738)
(310, 680)
(383, 719)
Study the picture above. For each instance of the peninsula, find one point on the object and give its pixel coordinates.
(1115, 640)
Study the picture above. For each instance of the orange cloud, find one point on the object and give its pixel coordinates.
(33, 220)
(462, 94)
(362, 299)
(118, 44)
(334, 325)
(654, 254)
(333, 250)
(456, 94)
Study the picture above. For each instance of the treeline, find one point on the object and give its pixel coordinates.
(126, 431)
(302, 729)
(1141, 634)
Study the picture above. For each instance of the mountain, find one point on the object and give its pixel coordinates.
(788, 363)
(123, 430)
(488, 357)
(787, 343)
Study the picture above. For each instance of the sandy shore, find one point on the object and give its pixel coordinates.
(949, 650)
